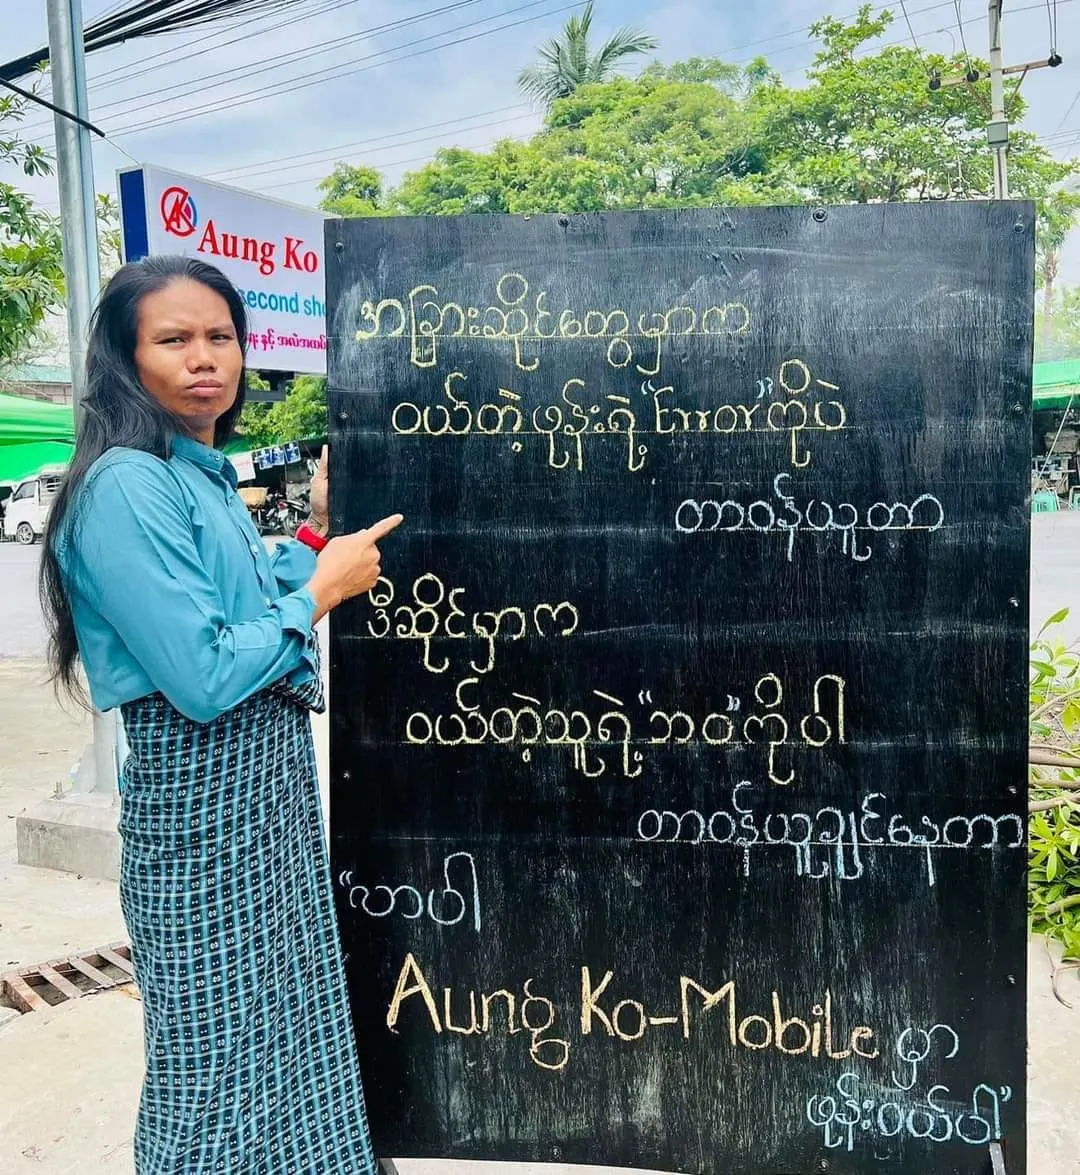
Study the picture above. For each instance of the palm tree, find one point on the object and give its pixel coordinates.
(566, 61)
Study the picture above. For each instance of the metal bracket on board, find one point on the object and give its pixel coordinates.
(997, 1159)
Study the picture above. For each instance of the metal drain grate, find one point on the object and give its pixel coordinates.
(32, 989)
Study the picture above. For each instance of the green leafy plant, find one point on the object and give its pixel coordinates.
(1054, 822)
(301, 416)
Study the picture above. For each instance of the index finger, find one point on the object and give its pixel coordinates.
(384, 527)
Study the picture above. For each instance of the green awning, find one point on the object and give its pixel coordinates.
(21, 461)
(24, 421)
(1055, 385)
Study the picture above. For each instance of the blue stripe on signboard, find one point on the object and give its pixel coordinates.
(136, 232)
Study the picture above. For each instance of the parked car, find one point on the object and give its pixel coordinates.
(27, 509)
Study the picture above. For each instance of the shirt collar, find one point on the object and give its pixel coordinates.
(212, 461)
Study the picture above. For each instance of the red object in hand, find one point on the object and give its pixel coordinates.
(309, 538)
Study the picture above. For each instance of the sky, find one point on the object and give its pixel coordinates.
(270, 106)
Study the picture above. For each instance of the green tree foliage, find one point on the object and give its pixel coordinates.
(568, 61)
(302, 415)
(865, 127)
(352, 191)
(31, 257)
(1057, 325)
(1054, 830)
(1058, 213)
(110, 250)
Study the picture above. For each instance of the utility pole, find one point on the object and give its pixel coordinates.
(998, 130)
(82, 277)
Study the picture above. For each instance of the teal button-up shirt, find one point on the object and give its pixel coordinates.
(172, 589)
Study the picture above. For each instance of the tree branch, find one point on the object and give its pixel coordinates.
(1046, 757)
(1046, 805)
(1064, 904)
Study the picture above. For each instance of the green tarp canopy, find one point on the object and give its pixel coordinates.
(21, 461)
(1056, 384)
(34, 434)
(23, 420)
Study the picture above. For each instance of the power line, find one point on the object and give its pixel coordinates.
(260, 167)
(1052, 18)
(245, 37)
(397, 140)
(338, 3)
(960, 27)
(313, 179)
(333, 73)
(303, 54)
(248, 35)
(146, 18)
(374, 162)
(1072, 107)
(914, 39)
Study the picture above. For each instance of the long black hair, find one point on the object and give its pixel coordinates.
(117, 411)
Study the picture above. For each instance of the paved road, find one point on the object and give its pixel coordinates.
(22, 631)
(1055, 584)
(1055, 570)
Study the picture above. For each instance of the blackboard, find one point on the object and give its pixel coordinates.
(679, 760)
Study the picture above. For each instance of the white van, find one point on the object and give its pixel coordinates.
(26, 511)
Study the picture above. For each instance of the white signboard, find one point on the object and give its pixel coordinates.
(272, 251)
(244, 464)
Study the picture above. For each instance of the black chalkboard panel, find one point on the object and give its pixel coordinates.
(679, 760)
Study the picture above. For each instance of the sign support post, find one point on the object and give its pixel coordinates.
(82, 274)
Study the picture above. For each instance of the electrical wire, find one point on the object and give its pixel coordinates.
(371, 156)
(146, 108)
(1065, 116)
(247, 35)
(304, 54)
(963, 36)
(147, 18)
(914, 39)
(178, 50)
(260, 167)
(295, 183)
(267, 166)
(334, 73)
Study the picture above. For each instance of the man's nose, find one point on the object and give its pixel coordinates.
(201, 355)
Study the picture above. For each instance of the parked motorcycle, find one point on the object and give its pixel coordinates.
(274, 513)
(280, 515)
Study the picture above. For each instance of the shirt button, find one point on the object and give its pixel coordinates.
(268, 601)
(254, 548)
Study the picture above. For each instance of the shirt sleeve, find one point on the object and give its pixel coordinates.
(135, 560)
(293, 565)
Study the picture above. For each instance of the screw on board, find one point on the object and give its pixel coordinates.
(342, 417)
(823, 1165)
(1019, 226)
(1010, 980)
(346, 775)
(564, 221)
(1017, 409)
(1014, 602)
(339, 247)
(820, 215)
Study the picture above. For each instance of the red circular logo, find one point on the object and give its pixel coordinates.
(178, 211)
